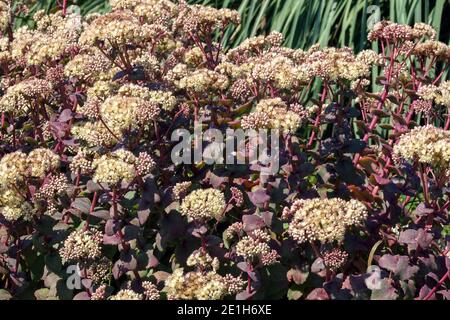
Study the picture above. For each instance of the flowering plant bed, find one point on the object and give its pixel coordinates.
(94, 204)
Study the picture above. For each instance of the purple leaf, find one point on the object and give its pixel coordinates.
(267, 217)
(318, 266)
(198, 232)
(102, 214)
(399, 265)
(408, 237)
(87, 283)
(130, 232)
(245, 295)
(385, 292)
(161, 276)
(297, 276)
(112, 240)
(445, 294)
(143, 216)
(422, 210)
(126, 263)
(70, 142)
(381, 181)
(243, 266)
(152, 260)
(216, 181)
(424, 238)
(424, 291)
(82, 296)
(92, 186)
(111, 227)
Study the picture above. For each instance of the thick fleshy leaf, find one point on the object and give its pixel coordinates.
(252, 222)
(399, 265)
(259, 197)
(318, 294)
(82, 296)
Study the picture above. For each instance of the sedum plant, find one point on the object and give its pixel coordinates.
(358, 208)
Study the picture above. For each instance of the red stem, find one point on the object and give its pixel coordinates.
(114, 203)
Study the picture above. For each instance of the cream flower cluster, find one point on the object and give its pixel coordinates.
(98, 270)
(82, 245)
(151, 11)
(203, 80)
(203, 204)
(81, 163)
(115, 28)
(20, 98)
(339, 63)
(193, 18)
(200, 258)
(255, 248)
(114, 168)
(15, 166)
(181, 189)
(90, 65)
(262, 62)
(427, 145)
(127, 294)
(325, 220)
(13, 206)
(390, 31)
(234, 230)
(53, 38)
(431, 48)
(41, 161)
(93, 133)
(151, 292)
(5, 12)
(114, 111)
(121, 166)
(54, 185)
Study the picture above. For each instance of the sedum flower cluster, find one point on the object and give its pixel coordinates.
(203, 204)
(255, 247)
(82, 245)
(127, 294)
(121, 166)
(274, 114)
(335, 259)
(437, 94)
(202, 260)
(201, 286)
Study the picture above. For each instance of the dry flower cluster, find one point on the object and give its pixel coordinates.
(88, 105)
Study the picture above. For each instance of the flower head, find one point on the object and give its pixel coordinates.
(325, 220)
(203, 204)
